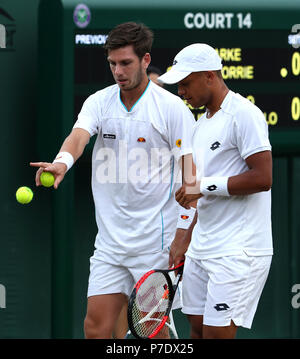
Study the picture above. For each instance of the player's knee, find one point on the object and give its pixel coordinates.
(196, 323)
(196, 333)
(95, 329)
(226, 332)
(90, 328)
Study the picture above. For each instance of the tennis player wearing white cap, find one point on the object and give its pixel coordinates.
(228, 247)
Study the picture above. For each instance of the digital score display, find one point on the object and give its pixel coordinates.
(259, 64)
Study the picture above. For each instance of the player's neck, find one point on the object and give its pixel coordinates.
(216, 100)
(130, 97)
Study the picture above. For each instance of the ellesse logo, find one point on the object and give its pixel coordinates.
(184, 216)
(109, 135)
(141, 139)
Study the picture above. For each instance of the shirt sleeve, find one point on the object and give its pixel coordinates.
(180, 125)
(251, 133)
(89, 117)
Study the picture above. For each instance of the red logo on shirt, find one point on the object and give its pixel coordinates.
(141, 139)
(184, 217)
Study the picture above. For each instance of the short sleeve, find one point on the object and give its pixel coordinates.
(251, 132)
(89, 116)
(180, 125)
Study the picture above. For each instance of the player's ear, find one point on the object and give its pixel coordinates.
(146, 60)
(210, 76)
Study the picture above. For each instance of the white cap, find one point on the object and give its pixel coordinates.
(193, 58)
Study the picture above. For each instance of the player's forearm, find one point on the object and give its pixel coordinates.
(188, 232)
(75, 143)
(192, 225)
(248, 183)
(188, 169)
(257, 179)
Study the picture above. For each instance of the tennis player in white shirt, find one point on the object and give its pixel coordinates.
(228, 247)
(142, 133)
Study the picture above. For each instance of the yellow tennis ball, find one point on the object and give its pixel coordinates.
(24, 195)
(47, 179)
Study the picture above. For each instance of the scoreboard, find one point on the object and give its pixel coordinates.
(258, 43)
(261, 58)
(267, 76)
(259, 47)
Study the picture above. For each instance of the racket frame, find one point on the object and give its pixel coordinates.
(171, 295)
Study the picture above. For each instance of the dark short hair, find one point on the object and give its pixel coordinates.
(130, 33)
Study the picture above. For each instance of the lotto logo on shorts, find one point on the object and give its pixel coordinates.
(221, 306)
(215, 145)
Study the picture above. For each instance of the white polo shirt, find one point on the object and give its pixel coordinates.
(221, 144)
(134, 167)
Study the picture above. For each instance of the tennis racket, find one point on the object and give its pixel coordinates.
(170, 324)
(150, 303)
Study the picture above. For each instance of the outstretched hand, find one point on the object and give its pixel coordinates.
(57, 169)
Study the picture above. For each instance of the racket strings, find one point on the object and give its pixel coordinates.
(151, 304)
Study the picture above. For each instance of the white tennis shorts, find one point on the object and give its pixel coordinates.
(115, 273)
(224, 289)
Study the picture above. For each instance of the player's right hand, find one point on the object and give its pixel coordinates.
(57, 169)
(178, 247)
(187, 194)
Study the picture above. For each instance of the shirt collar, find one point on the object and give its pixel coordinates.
(138, 100)
(225, 105)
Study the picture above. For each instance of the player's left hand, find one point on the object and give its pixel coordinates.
(187, 194)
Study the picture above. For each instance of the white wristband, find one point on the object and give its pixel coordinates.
(185, 217)
(216, 186)
(66, 158)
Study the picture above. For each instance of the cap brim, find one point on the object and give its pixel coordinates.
(173, 76)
